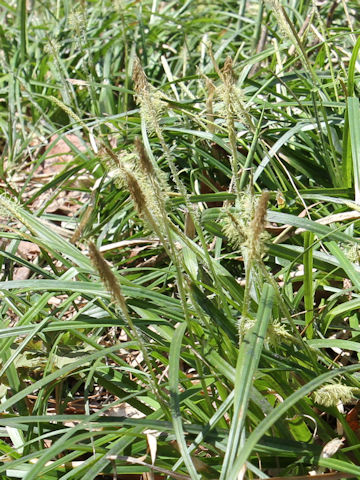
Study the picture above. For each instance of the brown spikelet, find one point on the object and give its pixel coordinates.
(141, 83)
(189, 229)
(105, 150)
(228, 72)
(135, 192)
(145, 162)
(210, 87)
(258, 223)
(214, 62)
(84, 221)
(107, 276)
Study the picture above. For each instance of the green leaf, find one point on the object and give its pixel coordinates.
(281, 410)
(248, 359)
(174, 359)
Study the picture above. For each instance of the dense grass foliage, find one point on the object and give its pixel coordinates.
(179, 203)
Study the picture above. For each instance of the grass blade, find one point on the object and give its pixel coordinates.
(354, 133)
(248, 359)
(281, 410)
(174, 358)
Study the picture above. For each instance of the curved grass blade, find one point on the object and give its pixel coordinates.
(174, 358)
(248, 359)
(281, 410)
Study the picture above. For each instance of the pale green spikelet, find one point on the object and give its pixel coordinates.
(10, 208)
(276, 7)
(333, 394)
(52, 47)
(148, 190)
(123, 161)
(127, 175)
(234, 228)
(77, 21)
(352, 252)
(236, 221)
(232, 108)
(278, 334)
(231, 96)
(244, 325)
(149, 99)
(69, 112)
(152, 173)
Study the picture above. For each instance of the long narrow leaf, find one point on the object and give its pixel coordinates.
(248, 359)
(174, 359)
(281, 410)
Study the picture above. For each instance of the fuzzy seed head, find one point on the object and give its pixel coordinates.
(244, 325)
(107, 277)
(257, 227)
(52, 47)
(77, 21)
(11, 209)
(234, 228)
(228, 72)
(231, 104)
(276, 7)
(152, 179)
(69, 112)
(149, 99)
(259, 221)
(235, 222)
(333, 394)
(8, 208)
(135, 192)
(148, 191)
(141, 83)
(277, 334)
(145, 162)
(352, 252)
(245, 226)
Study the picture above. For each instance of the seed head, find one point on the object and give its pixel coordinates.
(331, 395)
(234, 228)
(145, 162)
(135, 191)
(141, 83)
(228, 72)
(52, 47)
(236, 222)
(257, 227)
(77, 21)
(10, 208)
(107, 276)
(151, 104)
(276, 7)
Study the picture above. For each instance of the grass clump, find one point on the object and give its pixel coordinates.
(179, 232)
